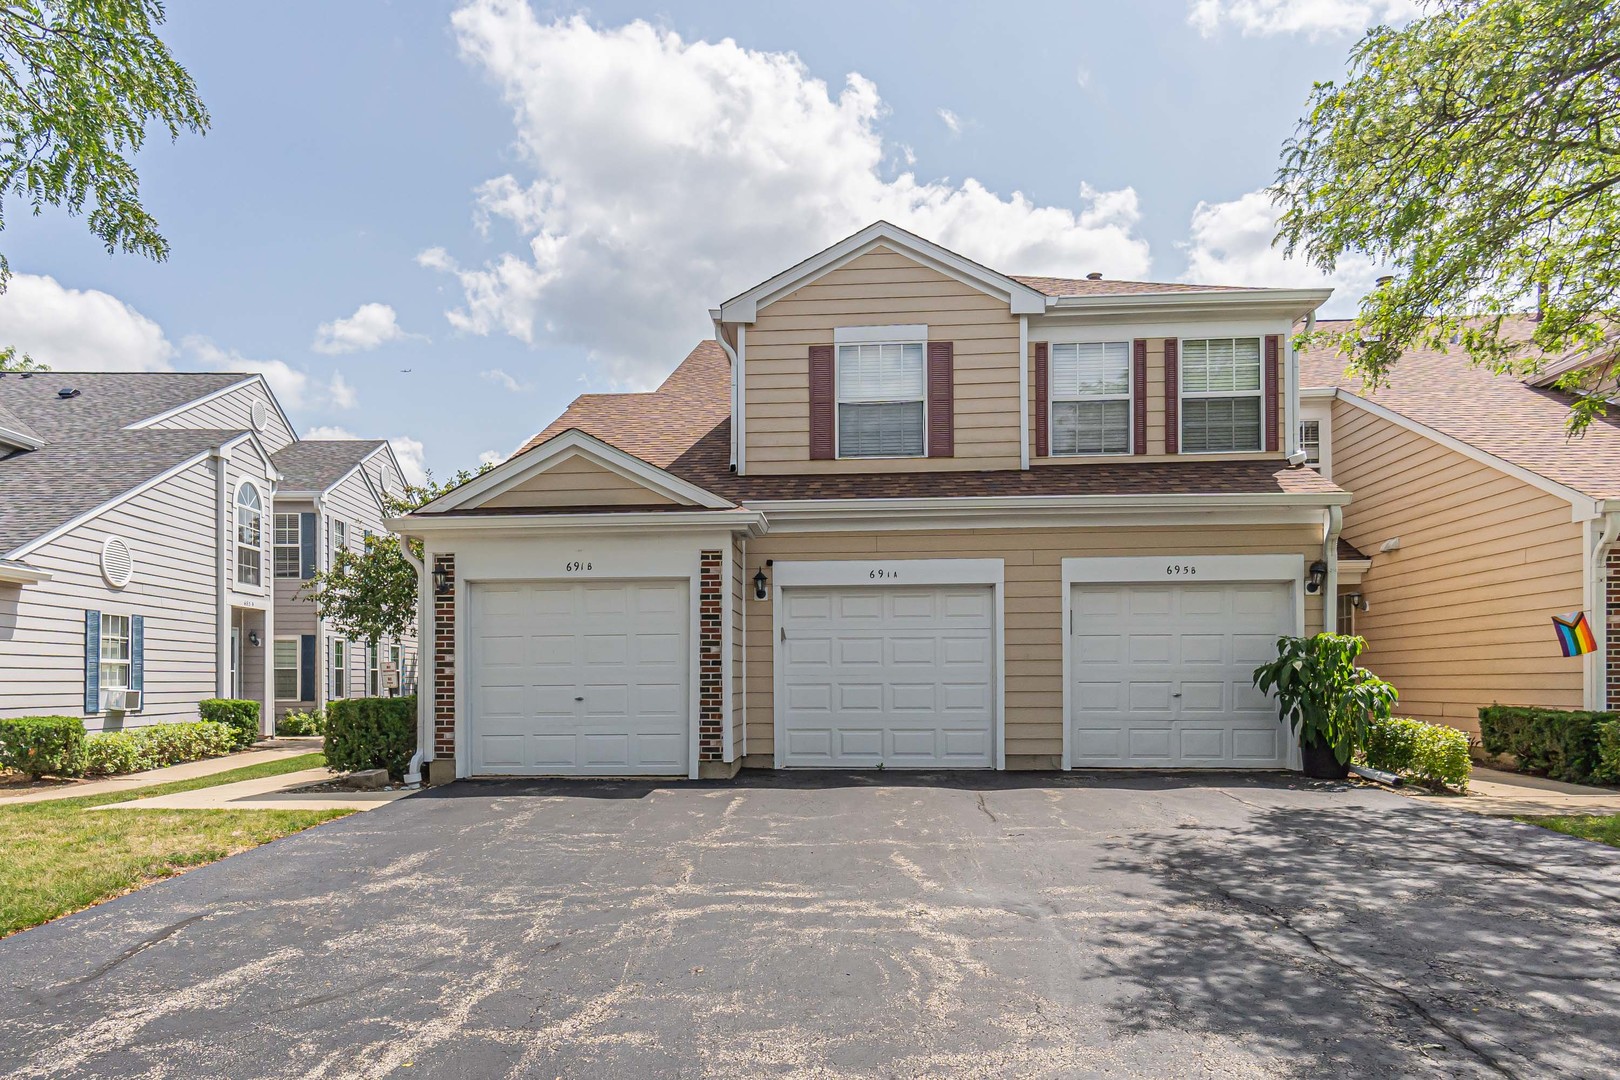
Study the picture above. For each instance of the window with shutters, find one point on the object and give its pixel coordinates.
(882, 400)
(115, 655)
(286, 668)
(1221, 395)
(1089, 395)
(249, 536)
(286, 560)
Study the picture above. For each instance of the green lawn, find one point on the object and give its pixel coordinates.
(59, 855)
(1604, 828)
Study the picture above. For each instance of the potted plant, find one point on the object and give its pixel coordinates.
(1325, 698)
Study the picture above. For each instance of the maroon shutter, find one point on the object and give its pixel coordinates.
(821, 403)
(1273, 343)
(1139, 396)
(941, 400)
(1172, 396)
(1042, 394)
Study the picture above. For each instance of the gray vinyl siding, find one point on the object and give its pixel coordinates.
(170, 531)
(295, 614)
(233, 411)
(354, 501)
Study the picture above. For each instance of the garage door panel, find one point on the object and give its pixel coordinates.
(855, 742)
(860, 697)
(1149, 649)
(913, 650)
(1144, 695)
(1153, 601)
(502, 749)
(914, 697)
(1097, 648)
(1146, 742)
(862, 651)
(1203, 697)
(807, 651)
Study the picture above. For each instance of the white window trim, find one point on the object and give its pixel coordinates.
(1323, 416)
(374, 681)
(340, 688)
(297, 546)
(236, 544)
(838, 390)
(297, 671)
(1183, 396)
(1130, 399)
(127, 663)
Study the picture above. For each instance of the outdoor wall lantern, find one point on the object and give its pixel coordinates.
(441, 580)
(1318, 575)
(254, 639)
(759, 584)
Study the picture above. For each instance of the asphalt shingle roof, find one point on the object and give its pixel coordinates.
(87, 457)
(317, 464)
(1054, 286)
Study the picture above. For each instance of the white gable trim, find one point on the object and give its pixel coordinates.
(68, 526)
(13, 437)
(186, 406)
(569, 444)
(1022, 299)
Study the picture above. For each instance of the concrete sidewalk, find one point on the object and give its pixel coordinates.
(270, 750)
(266, 793)
(1507, 794)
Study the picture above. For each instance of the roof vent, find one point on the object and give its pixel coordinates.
(67, 392)
(1095, 275)
(117, 564)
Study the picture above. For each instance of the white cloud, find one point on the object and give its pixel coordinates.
(491, 457)
(371, 325)
(294, 387)
(409, 451)
(1314, 18)
(330, 433)
(664, 175)
(1230, 244)
(503, 380)
(79, 329)
(951, 120)
(1082, 77)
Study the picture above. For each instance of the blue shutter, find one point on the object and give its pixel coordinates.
(306, 552)
(92, 662)
(306, 667)
(137, 653)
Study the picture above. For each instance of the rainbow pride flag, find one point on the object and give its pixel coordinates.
(1574, 634)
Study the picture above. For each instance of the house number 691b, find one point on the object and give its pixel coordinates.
(576, 567)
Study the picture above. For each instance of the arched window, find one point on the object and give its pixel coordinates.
(249, 536)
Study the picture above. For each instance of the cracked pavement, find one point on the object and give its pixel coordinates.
(849, 925)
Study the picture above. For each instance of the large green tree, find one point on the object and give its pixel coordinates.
(82, 82)
(1476, 153)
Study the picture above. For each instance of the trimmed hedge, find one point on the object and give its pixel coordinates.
(239, 714)
(371, 733)
(43, 745)
(1608, 770)
(1431, 754)
(1560, 743)
(302, 723)
(156, 745)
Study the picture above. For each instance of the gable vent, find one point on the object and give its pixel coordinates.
(117, 564)
(260, 416)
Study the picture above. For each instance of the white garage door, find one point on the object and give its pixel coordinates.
(578, 678)
(898, 677)
(1162, 675)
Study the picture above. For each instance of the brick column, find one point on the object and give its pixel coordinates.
(711, 679)
(444, 661)
(1611, 637)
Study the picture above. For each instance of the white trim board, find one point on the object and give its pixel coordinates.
(221, 392)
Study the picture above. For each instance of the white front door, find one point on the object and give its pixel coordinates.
(578, 678)
(901, 677)
(1162, 675)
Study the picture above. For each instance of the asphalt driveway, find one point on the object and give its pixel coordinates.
(840, 926)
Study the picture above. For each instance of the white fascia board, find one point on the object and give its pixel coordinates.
(271, 471)
(946, 516)
(1582, 506)
(1291, 304)
(1022, 299)
(752, 522)
(12, 437)
(16, 573)
(515, 470)
(1318, 393)
(221, 392)
(1063, 503)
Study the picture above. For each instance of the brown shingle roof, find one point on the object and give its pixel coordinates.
(1499, 414)
(1055, 286)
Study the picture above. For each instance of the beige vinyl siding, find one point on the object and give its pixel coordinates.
(577, 482)
(1034, 605)
(233, 411)
(171, 535)
(1461, 614)
(882, 288)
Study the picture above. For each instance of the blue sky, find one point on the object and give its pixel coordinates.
(519, 202)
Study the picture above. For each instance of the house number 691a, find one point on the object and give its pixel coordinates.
(880, 575)
(576, 567)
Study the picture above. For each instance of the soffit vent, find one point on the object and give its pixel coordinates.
(261, 416)
(117, 564)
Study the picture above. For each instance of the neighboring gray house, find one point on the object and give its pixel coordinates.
(332, 495)
(136, 533)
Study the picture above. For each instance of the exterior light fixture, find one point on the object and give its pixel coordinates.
(759, 584)
(441, 580)
(1318, 575)
(254, 639)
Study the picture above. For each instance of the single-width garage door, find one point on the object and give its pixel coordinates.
(587, 677)
(1162, 675)
(891, 676)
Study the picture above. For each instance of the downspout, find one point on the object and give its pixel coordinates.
(1597, 680)
(747, 597)
(321, 549)
(736, 386)
(1330, 555)
(424, 642)
(222, 612)
(1024, 404)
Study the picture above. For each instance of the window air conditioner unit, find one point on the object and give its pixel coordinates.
(121, 700)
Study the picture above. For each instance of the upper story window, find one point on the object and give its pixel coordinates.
(882, 400)
(249, 536)
(1310, 441)
(286, 544)
(1090, 386)
(340, 538)
(1221, 395)
(115, 657)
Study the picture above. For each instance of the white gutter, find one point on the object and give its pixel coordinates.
(736, 392)
(222, 607)
(752, 521)
(833, 507)
(1597, 593)
(1024, 403)
(424, 643)
(16, 573)
(1330, 585)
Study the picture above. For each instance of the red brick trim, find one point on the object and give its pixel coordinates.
(711, 671)
(444, 661)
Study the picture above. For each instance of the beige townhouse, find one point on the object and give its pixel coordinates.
(902, 511)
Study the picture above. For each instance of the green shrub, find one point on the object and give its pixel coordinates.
(241, 715)
(1431, 754)
(1608, 735)
(302, 723)
(1560, 743)
(371, 733)
(43, 745)
(113, 753)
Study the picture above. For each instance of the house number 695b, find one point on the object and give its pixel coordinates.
(576, 567)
